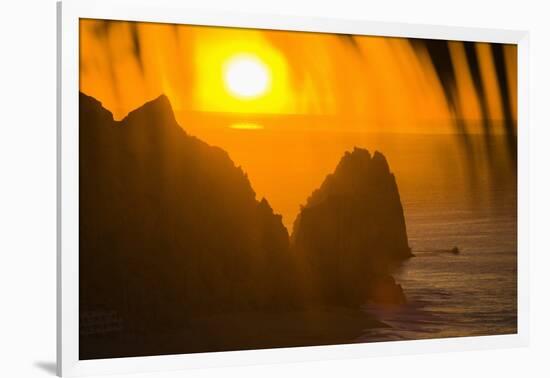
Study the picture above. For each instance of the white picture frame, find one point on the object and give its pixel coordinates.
(170, 11)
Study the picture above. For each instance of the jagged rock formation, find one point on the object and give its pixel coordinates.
(169, 226)
(176, 252)
(351, 230)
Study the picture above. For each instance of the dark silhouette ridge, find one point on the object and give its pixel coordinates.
(178, 256)
(352, 230)
(169, 227)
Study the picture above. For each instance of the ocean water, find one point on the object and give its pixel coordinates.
(467, 294)
(456, 192)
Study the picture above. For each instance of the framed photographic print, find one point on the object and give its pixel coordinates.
(242, 188)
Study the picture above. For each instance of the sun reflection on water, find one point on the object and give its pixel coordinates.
(246, 126)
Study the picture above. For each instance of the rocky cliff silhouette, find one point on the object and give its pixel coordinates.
(169, 226)
(172, 235)
(351, 230)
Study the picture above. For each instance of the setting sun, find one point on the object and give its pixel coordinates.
(253, 189)
(246, 76)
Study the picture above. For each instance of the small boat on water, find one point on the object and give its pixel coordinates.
(455, 250)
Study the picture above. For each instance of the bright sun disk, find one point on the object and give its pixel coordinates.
(246, 76)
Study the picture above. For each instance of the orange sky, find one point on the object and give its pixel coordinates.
(317, 82)
(377, 82)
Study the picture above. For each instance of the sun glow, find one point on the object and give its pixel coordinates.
(246, 76)
(240, 71)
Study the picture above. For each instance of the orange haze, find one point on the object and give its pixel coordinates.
(322, 87)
